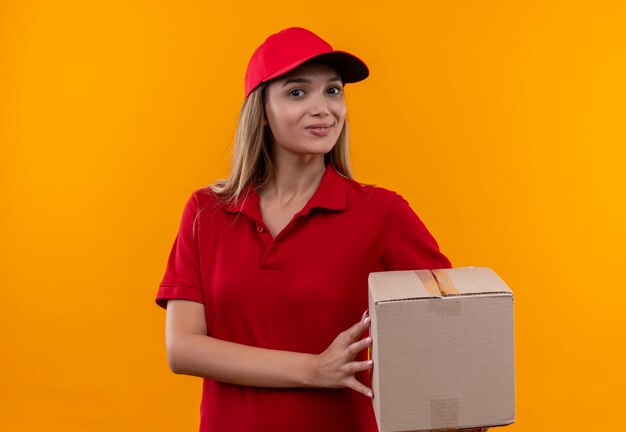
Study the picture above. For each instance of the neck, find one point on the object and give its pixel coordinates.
(295, 178)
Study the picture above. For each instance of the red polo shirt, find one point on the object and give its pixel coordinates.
(294, 292)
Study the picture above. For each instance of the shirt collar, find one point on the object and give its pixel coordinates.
(330, 194)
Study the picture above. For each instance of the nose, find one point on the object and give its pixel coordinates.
(319, 106)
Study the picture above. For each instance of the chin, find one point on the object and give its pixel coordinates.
(312, 146)
(320, 149)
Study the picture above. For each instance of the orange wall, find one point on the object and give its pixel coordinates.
(501, 122)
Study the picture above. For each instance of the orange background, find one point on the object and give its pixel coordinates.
(502, 123)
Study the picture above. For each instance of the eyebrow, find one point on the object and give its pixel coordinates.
(308, 81)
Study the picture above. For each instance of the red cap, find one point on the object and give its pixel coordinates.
(291, 47)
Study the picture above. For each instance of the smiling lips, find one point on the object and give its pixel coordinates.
(319, 129)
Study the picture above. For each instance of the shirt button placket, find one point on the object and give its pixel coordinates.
(266, 261)
(263, 233)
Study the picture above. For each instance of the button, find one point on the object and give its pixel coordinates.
(260, 229)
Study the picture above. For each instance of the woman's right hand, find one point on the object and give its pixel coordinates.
(335, 367)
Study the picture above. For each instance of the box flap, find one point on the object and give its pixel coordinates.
(470, 280)
(402, 285)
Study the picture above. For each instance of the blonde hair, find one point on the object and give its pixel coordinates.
(251, 156)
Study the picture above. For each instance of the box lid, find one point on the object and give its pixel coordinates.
(423, 284)
(470, 280)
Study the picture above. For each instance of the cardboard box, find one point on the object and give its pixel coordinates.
(442, 349)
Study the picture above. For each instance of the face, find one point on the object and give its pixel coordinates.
(305, 110)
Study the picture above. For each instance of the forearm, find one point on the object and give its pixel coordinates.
(234, 363)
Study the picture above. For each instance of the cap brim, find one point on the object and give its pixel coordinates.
(350, 67)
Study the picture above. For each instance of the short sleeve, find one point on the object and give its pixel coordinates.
(182, 275)
(406, 243)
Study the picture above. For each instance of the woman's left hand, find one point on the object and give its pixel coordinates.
(335, 367)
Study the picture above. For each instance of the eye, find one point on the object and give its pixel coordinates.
(296, 92)
(335, 90)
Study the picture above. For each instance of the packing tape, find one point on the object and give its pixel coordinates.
(444, 413)
(429, 282)
(445, 283)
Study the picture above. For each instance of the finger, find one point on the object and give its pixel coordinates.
(356, 385)
(357, 329)
(359, 366)
(365, 314)
(359, 346)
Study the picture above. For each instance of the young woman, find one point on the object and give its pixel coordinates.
(266, 284)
